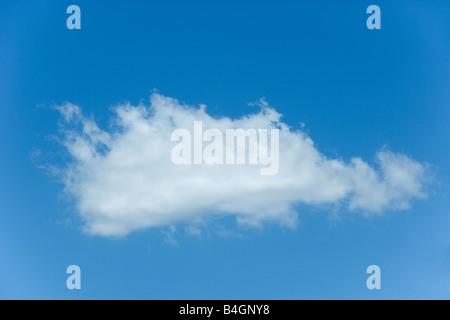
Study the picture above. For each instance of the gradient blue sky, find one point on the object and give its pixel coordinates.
(355, 89)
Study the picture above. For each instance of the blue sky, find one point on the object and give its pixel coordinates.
(356, 90)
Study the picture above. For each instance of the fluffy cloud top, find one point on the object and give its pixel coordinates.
(124, 180)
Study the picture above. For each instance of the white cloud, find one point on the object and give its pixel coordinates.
(124, 180)
(169, 236)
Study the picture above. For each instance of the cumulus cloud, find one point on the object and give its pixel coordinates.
(123, 178)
